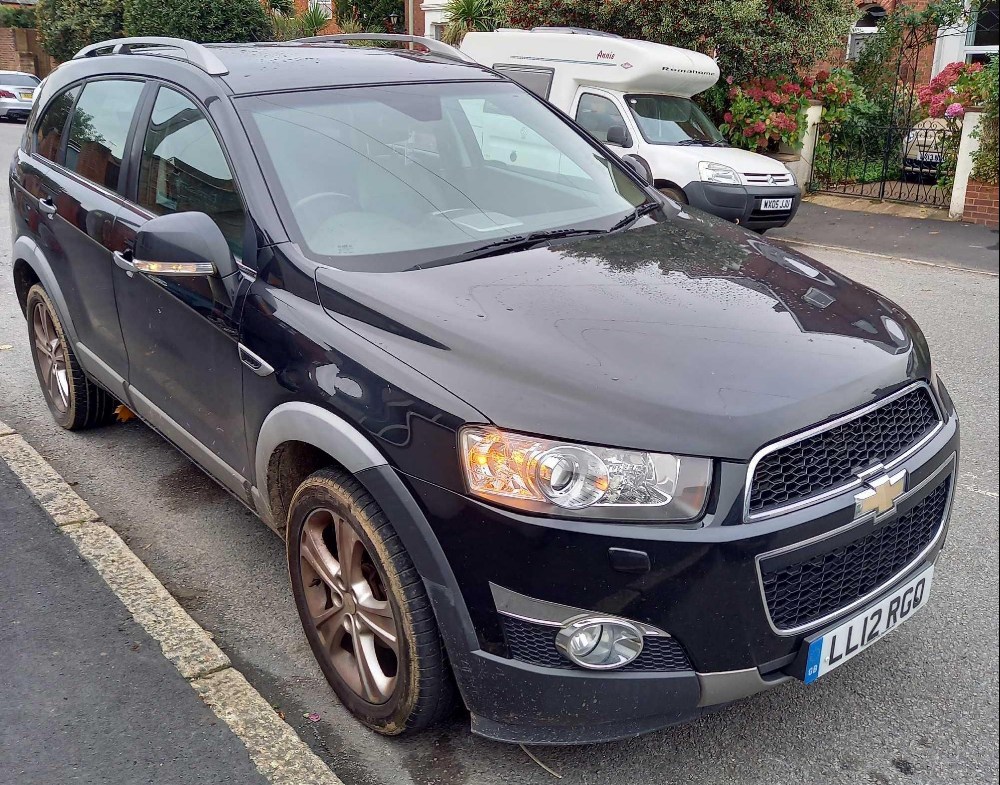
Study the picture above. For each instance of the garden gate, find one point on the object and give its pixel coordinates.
(892, 153)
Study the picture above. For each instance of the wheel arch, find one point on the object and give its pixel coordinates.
(296, 439)
(31, 267)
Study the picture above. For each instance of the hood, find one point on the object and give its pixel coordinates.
(683, 334)
(743, 161)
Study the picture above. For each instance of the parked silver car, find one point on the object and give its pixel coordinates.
(17, 94)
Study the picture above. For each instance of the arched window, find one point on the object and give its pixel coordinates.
(864, 28)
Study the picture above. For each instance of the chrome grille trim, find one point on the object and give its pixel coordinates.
(799, 504)
(754, 178)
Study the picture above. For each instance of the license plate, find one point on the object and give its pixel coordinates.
(26, 96)
(775, 204)
(855, 635)
(933, 158)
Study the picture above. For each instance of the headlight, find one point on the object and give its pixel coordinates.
(547, 476)
(792, 175)
(712, 172)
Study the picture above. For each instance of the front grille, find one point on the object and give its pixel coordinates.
(755, 178)
(536, 644)
(800, 593)
(825, 460)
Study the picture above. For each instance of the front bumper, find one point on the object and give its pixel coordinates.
(742, 204)
(702, 588)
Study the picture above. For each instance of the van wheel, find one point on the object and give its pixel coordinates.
(75, 401)
(674, 193)
(364, 608)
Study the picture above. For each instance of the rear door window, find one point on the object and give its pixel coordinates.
(99, 129)
(49, 130)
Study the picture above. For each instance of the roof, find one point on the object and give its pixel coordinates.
(265, 67)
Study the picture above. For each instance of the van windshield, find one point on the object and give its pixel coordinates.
(665, 119)
(389, 177)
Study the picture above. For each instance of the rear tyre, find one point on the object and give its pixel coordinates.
(75, 401)
(671, 192)
(364, 608)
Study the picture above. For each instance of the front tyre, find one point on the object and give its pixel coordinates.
(675, 193)
(364, 608)
(74, 400)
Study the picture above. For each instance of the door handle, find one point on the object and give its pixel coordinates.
(124, 261)
(47, 207)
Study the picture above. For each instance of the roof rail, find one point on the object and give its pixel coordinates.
(574, 31)
(431, 44)
(196, 54)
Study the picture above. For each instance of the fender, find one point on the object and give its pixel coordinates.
(26, 249)
(311, 424)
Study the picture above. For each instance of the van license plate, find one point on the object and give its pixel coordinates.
(855, 635)
(775, 204)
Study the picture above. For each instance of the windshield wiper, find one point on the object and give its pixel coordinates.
(690, 142)
(634, 216)
(522, 242)
(720, 143)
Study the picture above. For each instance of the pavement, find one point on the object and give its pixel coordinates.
(949, 243)
(921, 708)
(87, 695)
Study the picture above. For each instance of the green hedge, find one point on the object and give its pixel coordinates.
(66, 26)
(17, 17)
(986, 160)
(217, 21)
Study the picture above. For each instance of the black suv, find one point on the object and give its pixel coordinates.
(597, 460)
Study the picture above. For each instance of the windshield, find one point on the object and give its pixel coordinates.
(395, 176)
(665, 119)
(18, 80)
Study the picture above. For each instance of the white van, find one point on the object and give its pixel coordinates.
(636, 97)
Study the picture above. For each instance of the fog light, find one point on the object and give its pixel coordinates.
(599, 642)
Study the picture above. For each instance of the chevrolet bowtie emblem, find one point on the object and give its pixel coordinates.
(880, 495)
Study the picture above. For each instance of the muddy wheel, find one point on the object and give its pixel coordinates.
(74, 400)
(364, 608)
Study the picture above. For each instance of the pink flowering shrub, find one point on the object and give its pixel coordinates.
(955, 85)
(766, 112)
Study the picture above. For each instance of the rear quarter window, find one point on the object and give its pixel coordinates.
(49, 130)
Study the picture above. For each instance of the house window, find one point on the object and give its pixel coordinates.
(863, 29)
(437, 30)
(983, 38)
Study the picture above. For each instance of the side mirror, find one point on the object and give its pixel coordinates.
(182, 244)
(640, 167)
(618, 134)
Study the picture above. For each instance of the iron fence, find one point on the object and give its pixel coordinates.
(914, 164)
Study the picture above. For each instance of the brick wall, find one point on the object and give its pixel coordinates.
(837, 57)
(21, 51)
(9, 61)
(982, 204)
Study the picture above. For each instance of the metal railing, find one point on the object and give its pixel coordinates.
(914, 164)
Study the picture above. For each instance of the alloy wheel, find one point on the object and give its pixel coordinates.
(348, 606)
(51, 354)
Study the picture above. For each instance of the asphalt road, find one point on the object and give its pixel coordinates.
(921, 707)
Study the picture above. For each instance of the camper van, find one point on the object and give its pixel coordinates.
(635, 96)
